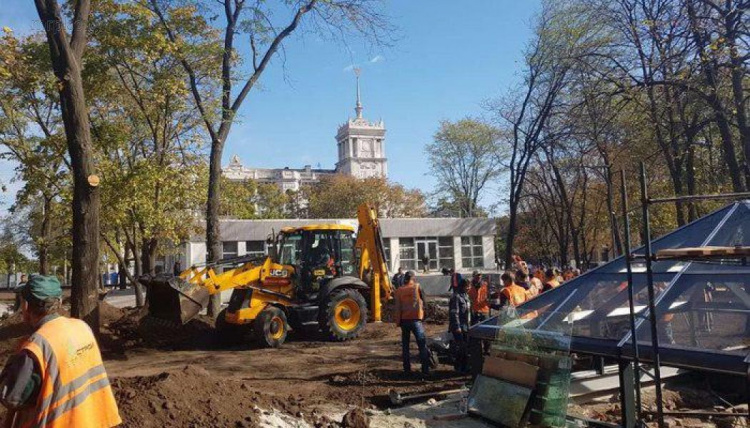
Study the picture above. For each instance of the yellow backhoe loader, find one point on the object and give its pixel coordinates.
(317, 275)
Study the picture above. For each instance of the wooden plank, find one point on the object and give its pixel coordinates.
(516, 372)
(703, 252)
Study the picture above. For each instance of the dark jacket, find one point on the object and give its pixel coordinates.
(398, 280)
(458, 314)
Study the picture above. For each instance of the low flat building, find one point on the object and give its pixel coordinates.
(462, 243)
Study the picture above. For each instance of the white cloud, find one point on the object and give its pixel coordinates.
(349, 68)
(377, 58)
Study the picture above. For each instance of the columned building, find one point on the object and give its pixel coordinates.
(361, 154)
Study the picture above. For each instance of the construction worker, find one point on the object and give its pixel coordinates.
(456, 279)
(398, 278)
(458, 316)
(479, 295)
(550, 280)
(522, 280)
(56, 379)
(409, 311)
(512, 294)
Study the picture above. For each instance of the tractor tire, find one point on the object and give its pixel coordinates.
(344, 315)
(270, 327)
(228, 334)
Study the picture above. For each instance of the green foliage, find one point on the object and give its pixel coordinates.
(338, 196)
(464, 157)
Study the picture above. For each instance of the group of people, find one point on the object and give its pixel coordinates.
(471, 302)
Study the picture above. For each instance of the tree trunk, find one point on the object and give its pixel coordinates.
(690, 179)
(213, 233)
(139, 292)
(617, 241)
(46, 237)
(66, 63)
(510, 236)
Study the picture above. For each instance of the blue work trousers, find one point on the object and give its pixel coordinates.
(407, 329)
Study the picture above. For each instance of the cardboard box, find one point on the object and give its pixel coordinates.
(517, 372)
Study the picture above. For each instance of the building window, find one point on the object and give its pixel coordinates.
(407, 253)
(255, 248)
(445, 252)
(229, 249)
(387, 249)
(472, 253)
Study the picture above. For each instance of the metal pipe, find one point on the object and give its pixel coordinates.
(738, 195)
(651, 297)
(631, 299)
(700, 413)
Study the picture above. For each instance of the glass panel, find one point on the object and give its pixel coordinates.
(255, 246)
(465, 251)
(478, 252)
(477, 240)
(446, 252)
(445, 241)
(465, 240)
(348, 263)
(291, 249)
(229, 249)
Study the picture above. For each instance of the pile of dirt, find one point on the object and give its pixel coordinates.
(434, 313)
(192, 397)
(124, 329)
(12, 330)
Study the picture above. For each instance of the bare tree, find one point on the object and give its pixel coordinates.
(66, 52)
(335, 18)
(524, 114)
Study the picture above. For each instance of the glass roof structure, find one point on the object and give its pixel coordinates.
(702, 306)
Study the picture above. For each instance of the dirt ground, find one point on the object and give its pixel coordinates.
(181, 377)
(167, 376)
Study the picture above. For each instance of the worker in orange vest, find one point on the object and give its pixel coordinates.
(409, 311)
(512, 294)
(479, 295)
(550, 280)
(57, 378)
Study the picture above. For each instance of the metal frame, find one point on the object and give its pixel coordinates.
(632, 404)
(636, 353)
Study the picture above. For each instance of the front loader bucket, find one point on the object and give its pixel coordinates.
(173, 299)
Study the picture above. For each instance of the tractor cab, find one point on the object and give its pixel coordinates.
(316, 254)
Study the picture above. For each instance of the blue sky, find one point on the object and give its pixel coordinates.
(448, 57)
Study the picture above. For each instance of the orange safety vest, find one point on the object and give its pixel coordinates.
(409, 305)
(552, 283)
(515, 293)
(479, 297)
(75, 390)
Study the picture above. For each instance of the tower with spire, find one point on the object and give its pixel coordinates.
(361, 144)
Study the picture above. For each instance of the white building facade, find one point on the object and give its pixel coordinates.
(465, 244)
(361, 154)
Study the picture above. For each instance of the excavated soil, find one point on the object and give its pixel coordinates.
(165, 375)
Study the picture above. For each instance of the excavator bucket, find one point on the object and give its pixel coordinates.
(173, 299)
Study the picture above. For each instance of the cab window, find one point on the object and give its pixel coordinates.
(291, 249)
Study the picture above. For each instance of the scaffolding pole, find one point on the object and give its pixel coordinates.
(631, 299)
(651, 297)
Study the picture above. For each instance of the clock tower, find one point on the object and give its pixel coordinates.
(361, 145)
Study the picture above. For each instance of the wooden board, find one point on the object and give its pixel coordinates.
(516, 372)
(698, 252)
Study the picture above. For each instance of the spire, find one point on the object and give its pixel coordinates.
(358, 108)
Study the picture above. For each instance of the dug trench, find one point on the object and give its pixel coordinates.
(180, 376)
